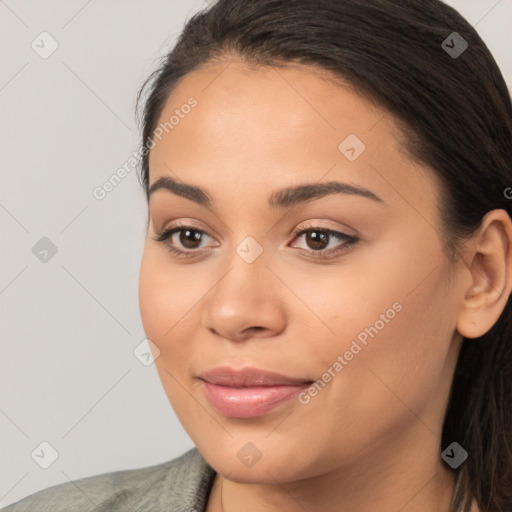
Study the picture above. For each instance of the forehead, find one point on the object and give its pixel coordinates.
(283, 105)
(255, 128)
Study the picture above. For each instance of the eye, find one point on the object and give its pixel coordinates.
(188, 237)
(319, 238)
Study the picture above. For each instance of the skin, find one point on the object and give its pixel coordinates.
(370, 440)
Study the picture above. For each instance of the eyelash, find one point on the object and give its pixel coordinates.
(164, 236)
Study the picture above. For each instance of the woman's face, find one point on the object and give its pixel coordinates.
(371, 323)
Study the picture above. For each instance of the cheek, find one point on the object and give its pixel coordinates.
(392, 329)
(401, 359)
(167, 297)
(150, 294)
(161, 290)
(164, 318)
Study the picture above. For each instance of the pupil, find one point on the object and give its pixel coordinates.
(189, 242)
(317, 239)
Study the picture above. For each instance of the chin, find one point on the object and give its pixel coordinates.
(274, 463)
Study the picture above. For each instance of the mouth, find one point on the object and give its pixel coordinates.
(249, 392)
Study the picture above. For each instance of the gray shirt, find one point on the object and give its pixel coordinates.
(179, 485)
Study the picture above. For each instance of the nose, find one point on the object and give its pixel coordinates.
(246, 302)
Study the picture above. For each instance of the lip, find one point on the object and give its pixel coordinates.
(249, 392)
(248, 377)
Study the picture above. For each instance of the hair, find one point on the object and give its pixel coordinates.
(455, 113)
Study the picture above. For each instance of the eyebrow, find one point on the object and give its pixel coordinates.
(282, 198)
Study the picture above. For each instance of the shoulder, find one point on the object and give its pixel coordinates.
(183, 484)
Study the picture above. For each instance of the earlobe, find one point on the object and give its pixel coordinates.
(490, 270)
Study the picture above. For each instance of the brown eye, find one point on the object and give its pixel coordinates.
(318, 239)
(189, 237)
(187, 243)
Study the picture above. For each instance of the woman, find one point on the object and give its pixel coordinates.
(327, 266)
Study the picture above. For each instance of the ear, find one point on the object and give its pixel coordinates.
(489, 264)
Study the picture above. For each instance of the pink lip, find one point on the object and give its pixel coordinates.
(249, 392)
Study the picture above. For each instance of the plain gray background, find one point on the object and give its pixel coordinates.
(69, 376)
